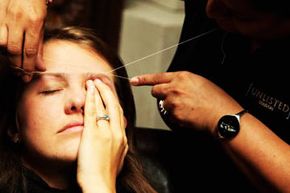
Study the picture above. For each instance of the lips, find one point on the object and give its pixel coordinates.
(74, 126)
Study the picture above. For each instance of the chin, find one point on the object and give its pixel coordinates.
(69, 150)
(69, 158)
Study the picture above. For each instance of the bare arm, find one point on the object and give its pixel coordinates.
(195, 102)
(262, 155)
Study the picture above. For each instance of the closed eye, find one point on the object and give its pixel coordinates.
(50, 92)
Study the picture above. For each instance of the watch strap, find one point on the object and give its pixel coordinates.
(241, 113)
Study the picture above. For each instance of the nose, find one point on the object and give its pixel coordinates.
(75, 102)
(216, 9)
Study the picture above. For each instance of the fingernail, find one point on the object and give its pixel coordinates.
(134, 81)
(90, 83)
(98, 81)
(90, 86)
(26, 78)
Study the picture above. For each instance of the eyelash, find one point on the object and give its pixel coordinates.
(50, 92)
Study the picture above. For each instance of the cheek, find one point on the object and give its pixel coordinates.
(33, 114)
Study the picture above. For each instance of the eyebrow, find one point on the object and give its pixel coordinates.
(63, 76)
(98, 75)
(37, 74)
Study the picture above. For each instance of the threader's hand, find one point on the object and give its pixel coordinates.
(21, 32)
(190, 100)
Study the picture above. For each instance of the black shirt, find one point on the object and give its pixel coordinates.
(35, 184)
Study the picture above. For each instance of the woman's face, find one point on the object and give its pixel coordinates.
(50, 112)
(240, 16)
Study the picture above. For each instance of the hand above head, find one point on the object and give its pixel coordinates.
(21, 32)
(189, 99)
(103, 145)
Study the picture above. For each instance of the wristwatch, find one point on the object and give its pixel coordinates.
(229, 125)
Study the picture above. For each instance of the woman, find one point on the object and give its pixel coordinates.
(65, 130)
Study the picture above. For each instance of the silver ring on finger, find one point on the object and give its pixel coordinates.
(103, 117)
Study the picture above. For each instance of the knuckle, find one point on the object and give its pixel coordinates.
(36, 16)
(14, 49)
(184, 74)
(174, 103)
(154, 91)
(32, 51)
(175, 91)
(142, 79)
(35, 21)
(16, 13)
(27, 66)
(115, 107)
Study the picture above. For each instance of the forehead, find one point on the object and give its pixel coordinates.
(68, 57)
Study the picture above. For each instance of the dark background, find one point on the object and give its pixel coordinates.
(104, 16)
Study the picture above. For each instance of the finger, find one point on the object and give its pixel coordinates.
(123, 121)
(39, 61)
(3, 35)
(14, 46)
(123, 158)
(160, 91)
(101, 110)
(112, 106)
(31, 45)
(90, 108)
(152, 79)
(27, 77)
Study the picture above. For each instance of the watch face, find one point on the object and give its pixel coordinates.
(228, 126)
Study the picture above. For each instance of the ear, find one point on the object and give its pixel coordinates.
(14, 136)
(14, 133)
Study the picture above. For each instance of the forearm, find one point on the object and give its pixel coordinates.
(261, 154)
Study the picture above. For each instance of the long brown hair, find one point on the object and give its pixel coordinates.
(131, 177)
